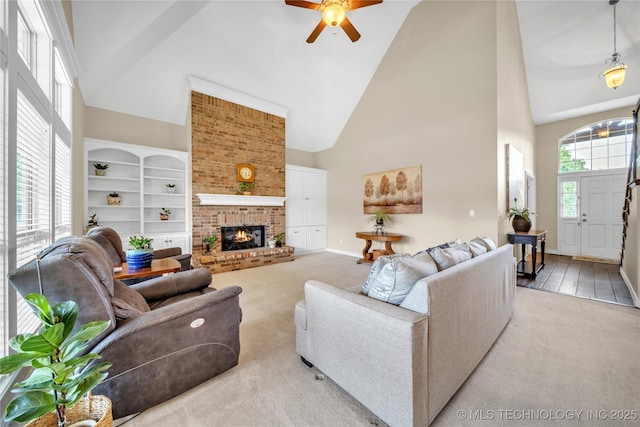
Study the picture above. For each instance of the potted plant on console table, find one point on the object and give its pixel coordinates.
(521, 220)
(61, 376)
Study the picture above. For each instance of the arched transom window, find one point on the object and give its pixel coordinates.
(598, 146)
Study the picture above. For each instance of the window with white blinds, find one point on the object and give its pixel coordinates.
(35, 168)
(63, 189)
(3, 206)
(33, 193)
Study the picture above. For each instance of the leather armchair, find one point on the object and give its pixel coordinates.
(110, 240)
(167, 334)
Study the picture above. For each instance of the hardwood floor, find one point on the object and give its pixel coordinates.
(593, 280)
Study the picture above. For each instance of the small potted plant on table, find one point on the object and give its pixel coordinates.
(100, 169)
(378, 219)
(164, 214)
(141, 253)
(61, 374)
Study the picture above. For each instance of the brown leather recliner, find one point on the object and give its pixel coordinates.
(167, 334)
(110, 240)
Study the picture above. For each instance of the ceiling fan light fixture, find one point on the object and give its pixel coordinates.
(334, 12)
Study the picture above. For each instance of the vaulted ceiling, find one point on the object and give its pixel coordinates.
(136, 57)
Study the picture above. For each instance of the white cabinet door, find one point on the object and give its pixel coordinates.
(296, 237)
(306, 206)
(315, 198)
(172, 241)
(316, 237)
(295, 188)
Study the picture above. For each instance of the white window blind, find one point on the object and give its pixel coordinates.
(63, 189)
(33, 195)
(3, 191)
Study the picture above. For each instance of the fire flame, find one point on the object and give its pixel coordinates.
(242, 236)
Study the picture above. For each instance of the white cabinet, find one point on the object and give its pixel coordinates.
(306, 208)
(140, 175)
(297, 237)
(316, 237)
(172, 241)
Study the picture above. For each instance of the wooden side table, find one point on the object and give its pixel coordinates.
(532, 237)
(158, 267)
(387, 238)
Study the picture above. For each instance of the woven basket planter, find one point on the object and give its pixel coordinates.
(113, 200)
(97, 408)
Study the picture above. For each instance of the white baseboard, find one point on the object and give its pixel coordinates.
(634, 296)
(347, 253)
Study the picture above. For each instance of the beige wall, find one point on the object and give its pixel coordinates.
(547, 137)
(515, 126)
(300, 158)
(114, 126)
(412, 113)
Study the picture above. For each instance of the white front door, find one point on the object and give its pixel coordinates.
(590, 214)
(602, 199)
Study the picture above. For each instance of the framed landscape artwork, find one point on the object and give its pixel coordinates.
(397, 191)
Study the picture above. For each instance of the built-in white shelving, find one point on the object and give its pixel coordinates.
(139, 175)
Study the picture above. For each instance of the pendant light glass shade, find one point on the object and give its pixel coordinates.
(614, 76)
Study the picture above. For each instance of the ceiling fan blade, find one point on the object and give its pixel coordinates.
(316, 31)
(351, 31)
(302, 3)
(357, 4)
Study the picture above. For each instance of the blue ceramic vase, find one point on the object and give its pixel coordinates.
(139, 258)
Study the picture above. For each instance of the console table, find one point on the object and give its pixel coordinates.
(532, 237)
(158, 267)
(387, 238)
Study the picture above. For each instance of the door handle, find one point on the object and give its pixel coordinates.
(584, 220)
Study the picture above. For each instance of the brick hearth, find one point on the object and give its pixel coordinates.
(220, 262)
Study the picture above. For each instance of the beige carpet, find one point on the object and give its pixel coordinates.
(558, 356)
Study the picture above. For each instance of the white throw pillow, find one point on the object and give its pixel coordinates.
(397, 277)
(476, 249)
(448, 257)
(486, 242)
(375, 270)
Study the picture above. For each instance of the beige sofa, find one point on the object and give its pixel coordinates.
(401, 364)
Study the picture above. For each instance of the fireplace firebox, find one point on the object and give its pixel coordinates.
(242, 237)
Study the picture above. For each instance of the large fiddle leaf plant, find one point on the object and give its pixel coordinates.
(61, 374)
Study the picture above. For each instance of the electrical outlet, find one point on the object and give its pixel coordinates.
(472, 213)
(340, 241)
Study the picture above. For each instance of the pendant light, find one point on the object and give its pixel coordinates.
(614, 75)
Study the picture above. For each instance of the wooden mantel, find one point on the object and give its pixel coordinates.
(239, 200)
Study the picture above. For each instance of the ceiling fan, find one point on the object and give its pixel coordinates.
(334, 13)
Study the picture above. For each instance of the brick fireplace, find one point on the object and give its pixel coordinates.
(224, 134)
